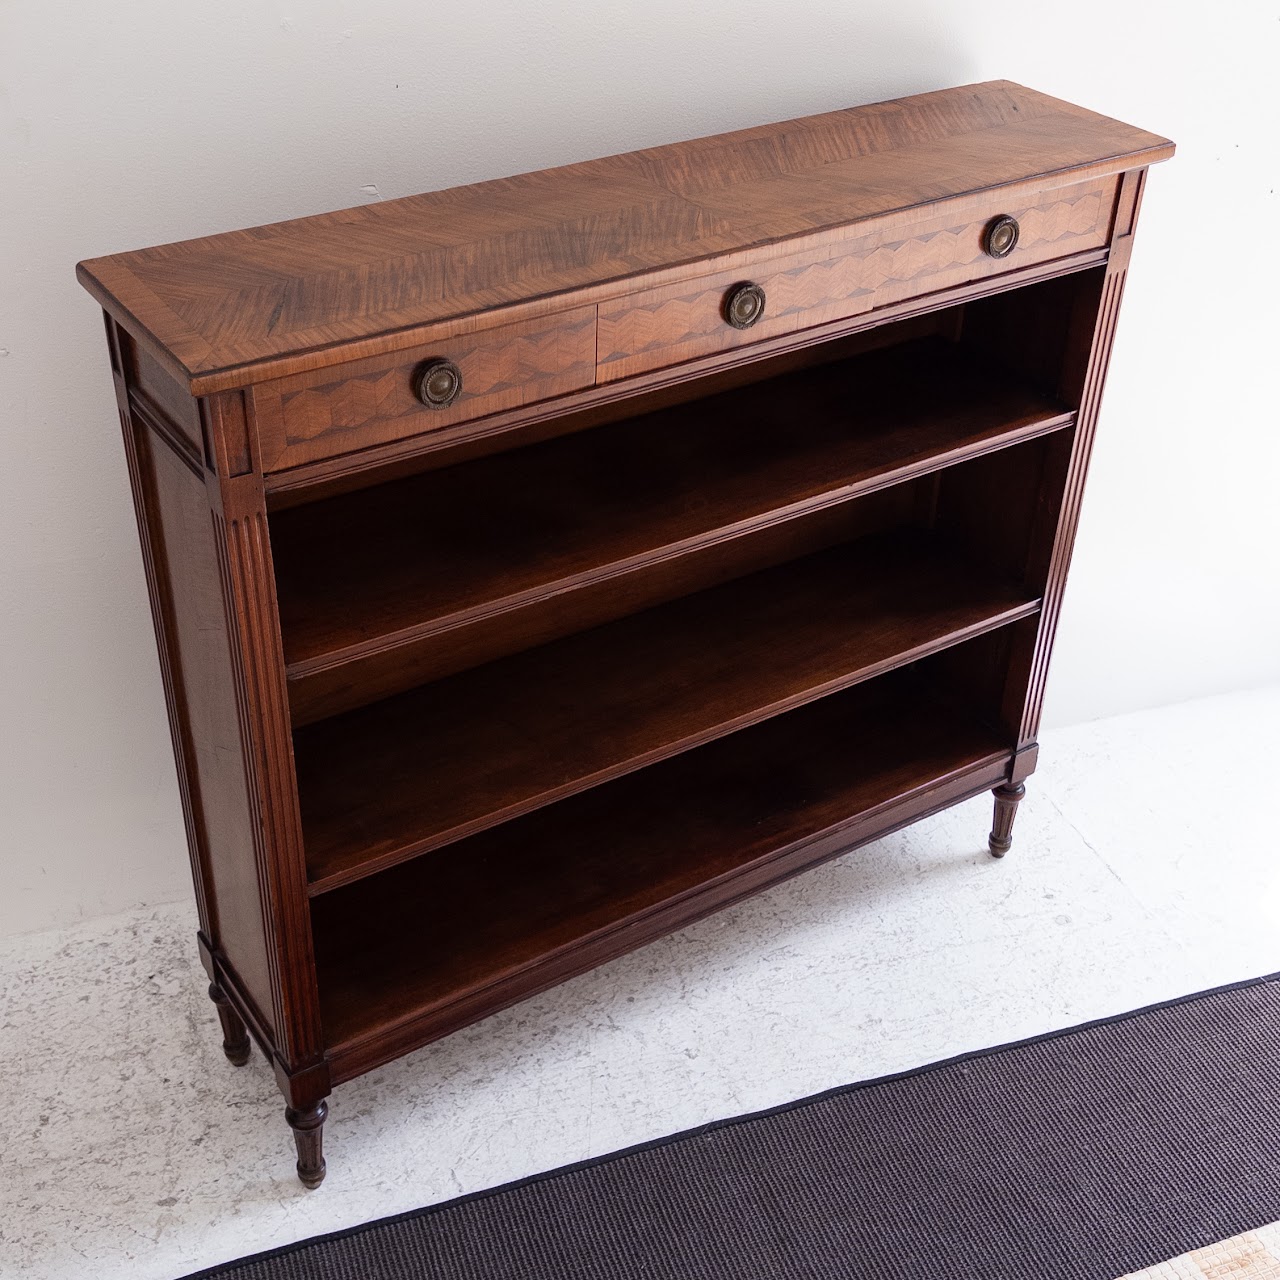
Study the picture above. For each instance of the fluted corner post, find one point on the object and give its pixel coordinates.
(308, 1133)
(1007, 799)
(242, 536)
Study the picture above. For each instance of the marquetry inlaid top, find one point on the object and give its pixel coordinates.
(246, 300)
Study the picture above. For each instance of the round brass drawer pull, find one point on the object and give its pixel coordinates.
(1001, 236)
(744, 305)
(437, 383)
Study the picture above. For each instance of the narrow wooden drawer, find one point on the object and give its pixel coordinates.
(336, 410)
(674, 323)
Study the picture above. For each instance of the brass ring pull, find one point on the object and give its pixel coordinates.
(1001, 236)
(437, 383)
(744, 305)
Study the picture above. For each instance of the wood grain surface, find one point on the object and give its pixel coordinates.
(370, 402)
(408, 955)
(415, 772)
(658, 610)
(231, 309)
(391, 567)
(913, 255)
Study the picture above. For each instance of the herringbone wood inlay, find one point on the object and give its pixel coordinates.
(310, 416)
(274, 298)
(682, 322)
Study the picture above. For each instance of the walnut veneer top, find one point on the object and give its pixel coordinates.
(231, 309)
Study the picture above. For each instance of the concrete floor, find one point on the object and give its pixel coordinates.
(1144, 867)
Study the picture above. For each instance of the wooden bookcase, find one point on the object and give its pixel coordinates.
(540, 565)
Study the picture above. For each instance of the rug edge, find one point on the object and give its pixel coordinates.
(223, 1269)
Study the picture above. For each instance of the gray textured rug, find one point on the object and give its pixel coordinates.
(1089, 1153)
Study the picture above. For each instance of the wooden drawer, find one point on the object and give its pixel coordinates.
(674, 323)
(337, 410)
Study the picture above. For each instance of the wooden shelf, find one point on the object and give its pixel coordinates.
(420, 770)
(373, 570)
(515, 605)
(594, 875)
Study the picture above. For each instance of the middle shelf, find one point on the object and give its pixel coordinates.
(391, 586)
(424, 768)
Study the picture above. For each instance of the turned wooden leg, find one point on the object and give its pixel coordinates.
(235, 1039)
(1007, 798)
(308, 1130)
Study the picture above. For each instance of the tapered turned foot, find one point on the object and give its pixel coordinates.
(235, 1039)
(1007, 797)
(308, 1130)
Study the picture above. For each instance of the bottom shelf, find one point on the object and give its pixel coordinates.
(421, 949)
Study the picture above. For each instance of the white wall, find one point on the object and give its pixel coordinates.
(143, 121)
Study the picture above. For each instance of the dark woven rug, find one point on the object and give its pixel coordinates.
(1089, 1153)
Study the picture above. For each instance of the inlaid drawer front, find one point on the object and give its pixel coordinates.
(977, 239)
(310, 416)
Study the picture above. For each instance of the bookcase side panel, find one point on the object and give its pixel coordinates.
(179, 550)
(1084, 375)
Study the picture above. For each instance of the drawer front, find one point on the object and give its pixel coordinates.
(668, 325)
(326, 412)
